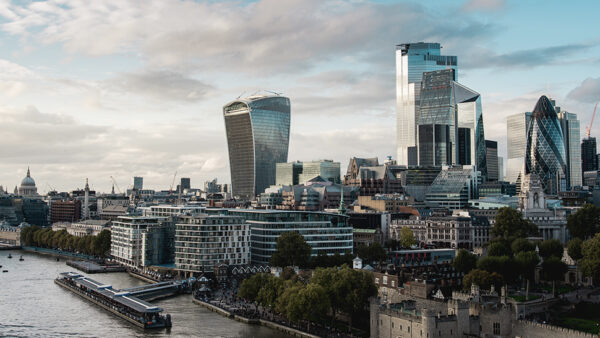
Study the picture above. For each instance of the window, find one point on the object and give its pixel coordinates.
(497, 328)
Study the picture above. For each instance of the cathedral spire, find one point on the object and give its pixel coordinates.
(28, 173)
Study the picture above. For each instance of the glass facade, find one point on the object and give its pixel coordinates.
(453, 188)
(287, 173)
(412, 60)
(516, 131)
(570, 127)
(588, 154)
(545, 154)
(450, 123)
(491, 151)
(327, 169)
(258, 132)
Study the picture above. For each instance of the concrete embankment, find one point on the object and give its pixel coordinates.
(279, 327)
(142, 277)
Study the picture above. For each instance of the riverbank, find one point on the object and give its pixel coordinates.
(288, 330)
(57, 253)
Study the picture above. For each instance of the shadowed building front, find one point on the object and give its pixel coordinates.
(258, 133)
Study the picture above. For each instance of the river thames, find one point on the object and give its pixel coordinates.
(31, 305)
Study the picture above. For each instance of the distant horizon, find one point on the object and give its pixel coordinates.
(88, 90)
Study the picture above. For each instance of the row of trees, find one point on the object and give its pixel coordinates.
(511, 257)
(47, 238)
(329, 290)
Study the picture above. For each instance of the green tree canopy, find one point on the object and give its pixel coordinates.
(372, 253)
(553, 269)
(464, 261)
(504, 265)
(521, 245)
(483, 279)
(251, 286)
(510, 225)
(585, 222)
(590, 262)
(499, 248)
(574, 248)
(407, 237)
(551, 248)
(292, 250)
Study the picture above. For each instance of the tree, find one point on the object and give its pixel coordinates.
(553, 269)
(326, 277)
(292, 250)
(551, 248)
(510, 225)
(585, 222)
(504, 265)
(251, 286)
(574, 248)
(270, 290)
(392, 244)
(287, 303)
(407, 237)
(372, 253)
(527, 261)
(483, 279)
(354, 288)
(590, 262)
(499, 248)
(521, 245)
(464, 261)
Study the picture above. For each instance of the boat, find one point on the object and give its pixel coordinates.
(4, 270)
(9, 256)
(57, 259)
(21, 259)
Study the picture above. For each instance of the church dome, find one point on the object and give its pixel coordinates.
(28, 181)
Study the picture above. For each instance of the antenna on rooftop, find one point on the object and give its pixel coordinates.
(240, 95)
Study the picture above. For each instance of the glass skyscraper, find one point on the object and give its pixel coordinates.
(516, 131)
(545, 153)
(258, 133)
(412, 60)
(571, 138)
(491, 151)
(588, 154)
(450, 123)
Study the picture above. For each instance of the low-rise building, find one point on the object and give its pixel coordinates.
(90, 227)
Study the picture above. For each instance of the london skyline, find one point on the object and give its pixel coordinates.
(82, 99)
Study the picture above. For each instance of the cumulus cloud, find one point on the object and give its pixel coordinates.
(162, 85)
(588, 91)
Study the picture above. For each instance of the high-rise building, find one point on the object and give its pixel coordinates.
(138, 183)
(545, 153)
(572, 140)
(258, 133)
(288, 173)
(450, 123)
(500, 168)
(185, 183)
(516, 131)
(491, 152)
(589, 160)
(412, 60)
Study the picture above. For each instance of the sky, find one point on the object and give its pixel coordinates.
(93, 89)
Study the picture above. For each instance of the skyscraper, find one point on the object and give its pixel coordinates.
(185, 183)
(450, 123)
(491, 152)
(138, 183)
(545, 153)
(571, 138)
(516, 131)
(258, 133)
(412, 60)
(588, 154)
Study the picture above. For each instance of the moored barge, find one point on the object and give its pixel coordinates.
(122, 304)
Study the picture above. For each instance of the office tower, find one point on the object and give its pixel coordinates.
(450, 123)
(288, 173)
(545, 153)
(412, 60)
(500, 168)
(516, 131)
(258, 133)
(571, 139)
(327, 169)
(185, 183)
(491, 152)
(138, 183)
(588, 154)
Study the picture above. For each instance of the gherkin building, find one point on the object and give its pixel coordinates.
(545, 154)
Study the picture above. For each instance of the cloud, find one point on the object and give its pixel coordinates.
(485, 58)
(588, 91)
(162, 85)
(263, 37)
(483, 5)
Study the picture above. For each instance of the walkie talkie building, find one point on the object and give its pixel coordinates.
(258, 134)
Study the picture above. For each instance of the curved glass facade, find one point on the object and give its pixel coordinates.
(258, 133)
(545, 154)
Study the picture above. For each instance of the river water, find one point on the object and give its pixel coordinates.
(31, 305)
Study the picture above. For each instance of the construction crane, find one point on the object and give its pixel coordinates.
(589, 129)
(116, 185)
(172, 183)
